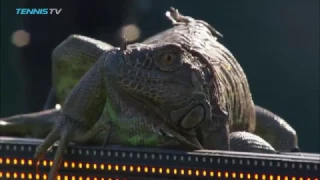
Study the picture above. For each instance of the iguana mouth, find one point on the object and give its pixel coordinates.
(175, 127)
(167, 127)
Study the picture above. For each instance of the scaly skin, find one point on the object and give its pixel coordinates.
(39, 125)
(72, 59)
(140, 87)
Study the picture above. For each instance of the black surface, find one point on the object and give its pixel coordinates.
(254, 164)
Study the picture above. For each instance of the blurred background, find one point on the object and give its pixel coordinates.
(276, 42)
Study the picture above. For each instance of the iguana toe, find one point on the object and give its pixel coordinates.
(63, 131)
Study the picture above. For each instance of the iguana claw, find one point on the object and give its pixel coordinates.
(62, 131)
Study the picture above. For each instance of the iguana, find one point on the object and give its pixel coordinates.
(180, 89)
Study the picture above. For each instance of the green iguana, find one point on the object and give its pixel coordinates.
(178, 89)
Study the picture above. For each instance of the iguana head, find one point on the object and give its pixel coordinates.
(165, 78)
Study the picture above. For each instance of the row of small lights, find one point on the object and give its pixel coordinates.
(146, 169)
(175, 157)
(29, 162)
(18, 175)
(15, 175)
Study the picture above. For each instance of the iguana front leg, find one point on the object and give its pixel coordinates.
(79, 113)
(71, 59)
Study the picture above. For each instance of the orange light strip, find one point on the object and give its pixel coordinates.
(29, 176)
(137, 169)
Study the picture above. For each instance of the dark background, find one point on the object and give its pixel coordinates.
(276, 42)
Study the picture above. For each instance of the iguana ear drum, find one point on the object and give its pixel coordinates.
(193, 118)
(187, 117)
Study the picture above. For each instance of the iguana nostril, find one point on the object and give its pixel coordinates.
(193, 118)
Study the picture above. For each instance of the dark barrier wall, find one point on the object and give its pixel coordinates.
(276, 42)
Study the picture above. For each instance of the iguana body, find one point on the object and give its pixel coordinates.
(180, 88)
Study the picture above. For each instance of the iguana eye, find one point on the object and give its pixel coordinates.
(168, 59)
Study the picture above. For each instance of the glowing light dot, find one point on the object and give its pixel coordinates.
(182, 171)
(87, 165)
(234, 175)
(168, 171)
(226, 174)
(241, 175)
(160, 170)
(197, 173)
(189, 172)
(204, 173)
(7, 175)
